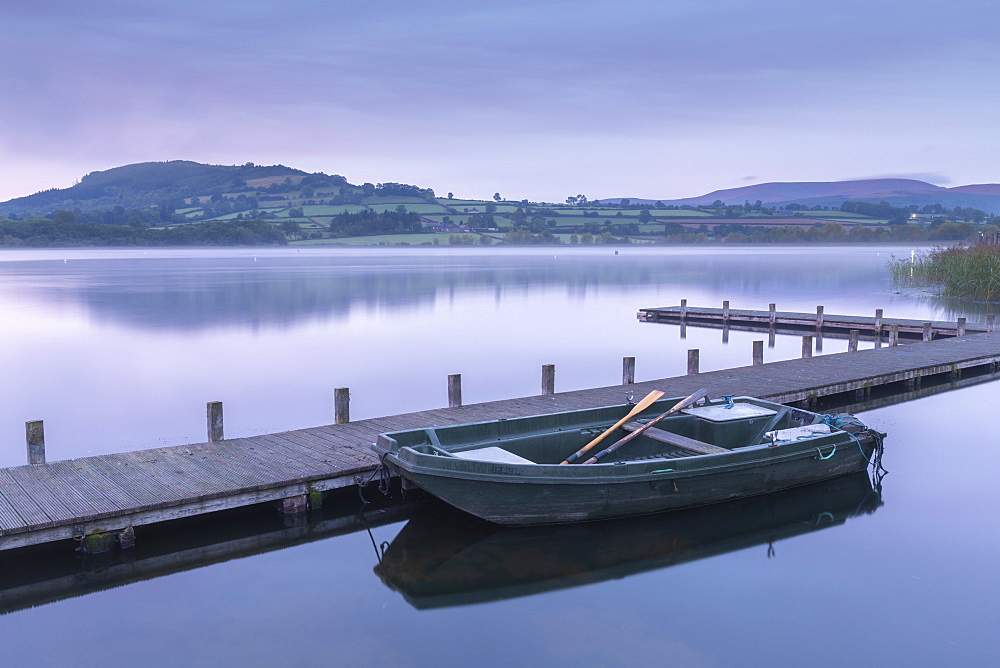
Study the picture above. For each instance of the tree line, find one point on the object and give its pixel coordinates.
(62, 233)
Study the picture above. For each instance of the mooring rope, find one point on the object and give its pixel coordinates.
(842, 421)
(384, 480)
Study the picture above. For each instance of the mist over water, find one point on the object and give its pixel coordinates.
(119, 350)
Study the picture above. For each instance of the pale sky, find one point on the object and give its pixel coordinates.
(540, 100)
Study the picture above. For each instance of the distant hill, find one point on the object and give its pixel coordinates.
(148, 184)
(897, 192)
(227, 190)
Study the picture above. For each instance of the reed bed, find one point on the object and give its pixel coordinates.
(965, 272)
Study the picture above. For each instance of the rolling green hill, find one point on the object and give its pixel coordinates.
(187, 202)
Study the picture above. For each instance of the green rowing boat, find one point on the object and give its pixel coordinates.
(508, 471)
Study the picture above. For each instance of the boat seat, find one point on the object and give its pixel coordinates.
(676, 440)
(492, 454)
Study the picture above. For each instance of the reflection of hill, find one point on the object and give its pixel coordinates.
(443, 557)
(212, 292)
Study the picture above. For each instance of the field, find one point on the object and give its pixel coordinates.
(381, 240)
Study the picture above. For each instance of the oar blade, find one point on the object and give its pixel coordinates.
(643, 404)
(680, 405)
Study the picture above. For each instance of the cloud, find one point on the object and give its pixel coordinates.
(404, 83)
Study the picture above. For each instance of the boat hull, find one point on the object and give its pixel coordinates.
(527, 497)
(742, 459)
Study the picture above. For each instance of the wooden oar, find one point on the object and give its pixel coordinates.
(683, 403)
(646, 402)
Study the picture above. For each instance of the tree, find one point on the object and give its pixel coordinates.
(451, 195)
(645, 216)
(291, 229)
(571, 200)
(497, 197)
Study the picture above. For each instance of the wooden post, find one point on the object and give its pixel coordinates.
(725, 333)
(684, 309)
(548, 379)
(342, 405)
(628, 370)
(294, 505)
(928, 331)
(878, 324)
(770, 338)
(819, 317)
(758, 353)
(693, 361)
(725, 311)
(771, 315)
(893, 335)
(960, 327)
(807, 346)
(214, 416)
(852, 341)
(34, 433)
(990, 321)
(454, 390)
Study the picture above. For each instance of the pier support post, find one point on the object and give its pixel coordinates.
(852, 341)
(990, 321)
(684, 309)
(911, 384)
(725, 312)
(928, 331)
(771, 314)
(628, 370)
(693, 361)
(34, 433)
(771, 338)
(725, 333)
(960, 327)
(893, 335)
(548, 379)
(214, 418)
(878, 324)
(819, 317)
(807, 346)
(342, 405)
(294, 505)
(758, 353)
(454, 390)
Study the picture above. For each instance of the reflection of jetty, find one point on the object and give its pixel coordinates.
(38, 576)
(443, 557)
(100, 500)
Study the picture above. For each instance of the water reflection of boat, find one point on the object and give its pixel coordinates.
(444, 557)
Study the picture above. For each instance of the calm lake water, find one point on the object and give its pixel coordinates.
(120, 350)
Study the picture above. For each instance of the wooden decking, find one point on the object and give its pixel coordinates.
(107, 494)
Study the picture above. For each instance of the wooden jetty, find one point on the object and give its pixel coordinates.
(824, 324)
(99, 500)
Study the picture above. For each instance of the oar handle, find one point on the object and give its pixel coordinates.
(646, 402)
(638, 432)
